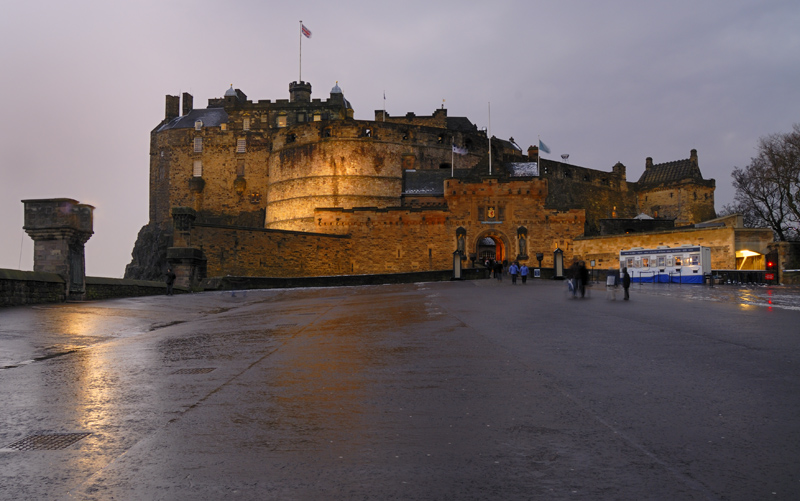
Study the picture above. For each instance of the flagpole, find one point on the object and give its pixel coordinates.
(490, 138)
(300, 79)
(539, 155)
(453, 157)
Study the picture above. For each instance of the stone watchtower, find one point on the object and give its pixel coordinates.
(59, 228)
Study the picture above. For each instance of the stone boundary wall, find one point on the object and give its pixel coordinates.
(244, 283)
(19, 287)
(110, 288)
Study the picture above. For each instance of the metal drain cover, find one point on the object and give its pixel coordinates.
(47, 442)
(201, 370)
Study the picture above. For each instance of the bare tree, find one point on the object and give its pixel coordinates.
(768, 189)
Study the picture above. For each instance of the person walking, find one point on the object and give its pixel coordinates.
(626, 282)
(498, 271)
(573, 278)
(523, 272)
(583, 277)
(170, 280)
(513, 270)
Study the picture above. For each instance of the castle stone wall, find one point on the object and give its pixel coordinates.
(270, 253)
(723, 242)
(687, 203)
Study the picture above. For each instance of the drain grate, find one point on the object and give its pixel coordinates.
(47, 442)
(201, 370)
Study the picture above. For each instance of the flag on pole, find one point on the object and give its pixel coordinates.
(543, 147)
(306, 31)
(460, 151)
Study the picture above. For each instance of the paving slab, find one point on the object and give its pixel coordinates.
(455, 390)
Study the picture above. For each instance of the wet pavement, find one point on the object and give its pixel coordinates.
(457, 390)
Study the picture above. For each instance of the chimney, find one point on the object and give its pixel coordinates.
(693, 157)
(173, 105)
(648, 163)
(188, 103)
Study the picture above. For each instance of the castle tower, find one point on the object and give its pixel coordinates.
(300, 92)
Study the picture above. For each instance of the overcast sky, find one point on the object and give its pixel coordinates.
(84, 83)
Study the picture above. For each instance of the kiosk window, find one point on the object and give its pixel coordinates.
(677, 261)
(694, 259)
(662, 261)
(645, 262)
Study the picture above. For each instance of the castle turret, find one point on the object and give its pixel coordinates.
(300, 92)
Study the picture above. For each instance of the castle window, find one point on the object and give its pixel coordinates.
(586, 177)
(290, 138)
(326, 132)
(546, 170)
(223, 126)
(406, 135)
(240, 168)
(317, 117)
(567, 173)
(246, 124)
(198, 145)
(241, 145)
(198, 124)
(368, 132)
(444, 166)
(301, 117)
(197, 168)
(467, 143)
(480, 214)
(670, 194)
(440, 139)
(281, 120)
(695, 195)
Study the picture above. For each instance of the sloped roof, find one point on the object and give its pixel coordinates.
(677, 170)
(211, 117)
(460, 124)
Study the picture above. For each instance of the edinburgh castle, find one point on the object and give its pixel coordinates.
(298, 187)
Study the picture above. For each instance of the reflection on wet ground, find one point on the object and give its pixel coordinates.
(781, 296)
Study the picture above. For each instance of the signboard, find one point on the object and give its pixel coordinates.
(769, 276)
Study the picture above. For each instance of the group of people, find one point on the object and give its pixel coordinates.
(515, 270)
(579, 276)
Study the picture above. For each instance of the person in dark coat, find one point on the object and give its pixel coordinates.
(583, 277)
(626, 282)
(170, 280)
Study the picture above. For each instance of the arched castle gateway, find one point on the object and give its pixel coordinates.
(298, 187)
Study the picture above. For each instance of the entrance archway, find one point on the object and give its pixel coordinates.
(491, 245)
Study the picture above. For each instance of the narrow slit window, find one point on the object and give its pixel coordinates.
(241, 145)
(198, 145)
(197, 168)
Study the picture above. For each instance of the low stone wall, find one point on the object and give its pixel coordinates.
(244, 283)
(30, 287)
(109, 288)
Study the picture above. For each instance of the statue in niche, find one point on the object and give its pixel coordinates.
(462, 241)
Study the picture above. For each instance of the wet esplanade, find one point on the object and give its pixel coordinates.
(460, 390)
